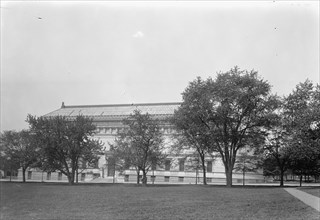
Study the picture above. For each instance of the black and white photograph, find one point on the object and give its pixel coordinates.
(159, 110)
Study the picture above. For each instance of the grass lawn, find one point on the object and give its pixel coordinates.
(58, 201)
(311, 190)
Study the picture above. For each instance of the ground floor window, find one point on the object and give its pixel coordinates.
(49, 176)
(153, 178)
(126, 178)
(29, 175)
(209, 166)
(181, 165)
(209, 180)
(96, 175)
(167, 165)
(181, 179)
(59, 176)
(111, 166)
(167, 178)
(83, 176)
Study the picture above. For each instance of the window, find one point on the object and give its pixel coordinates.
(153, 178)
(126, 178)
(83, 176)
(83, 164)
(49, 176)
(153, 166)
(167, 165)
(96, 164)
(29, 175)
(111, 166)
(209, 166)
(181, 165)
(209, 180)
(181, 179)
(59, 176)
(166, 178)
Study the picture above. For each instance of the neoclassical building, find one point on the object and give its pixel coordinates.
(108, 120)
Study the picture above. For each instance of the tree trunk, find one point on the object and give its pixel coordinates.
(243, 176)
(204, 172)
(281, 177)
(71, 179)
(300, 180)
(228, 171)
(23, 174)
(73, 173)
(77, 173)
(144, 178)
(138, 179)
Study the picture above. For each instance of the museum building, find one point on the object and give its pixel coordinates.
(108, 120)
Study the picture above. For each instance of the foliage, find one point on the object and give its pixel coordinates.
(302, 113)
(248, 162)
(19, 149)
(140, 144)
(276, 150)
(65, 143)
(229, 113)
(188, 140)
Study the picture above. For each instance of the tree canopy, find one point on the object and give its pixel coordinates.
(19, 148)
(65, 143)
(302, 114)
(229, 111)
(140, 144)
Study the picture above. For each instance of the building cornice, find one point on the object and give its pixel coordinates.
(120, 105)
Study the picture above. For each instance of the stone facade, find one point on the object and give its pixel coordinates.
(108, 119)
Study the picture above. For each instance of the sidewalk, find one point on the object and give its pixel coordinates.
(307, 198)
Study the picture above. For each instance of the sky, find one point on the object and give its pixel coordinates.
(105, 52)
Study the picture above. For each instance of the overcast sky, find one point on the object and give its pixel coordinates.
(86, 53)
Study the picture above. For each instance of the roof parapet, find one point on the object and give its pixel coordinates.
(120, 105)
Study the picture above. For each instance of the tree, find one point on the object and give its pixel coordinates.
(232, 110)
(65, 142)
(304, 161)
(21, 148)
(277, 152)
(191, 138)
(247, 162)
(302, 114)
(140, 144)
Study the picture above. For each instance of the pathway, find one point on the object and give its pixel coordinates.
(307, 198)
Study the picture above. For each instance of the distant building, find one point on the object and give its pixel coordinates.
(108, 119)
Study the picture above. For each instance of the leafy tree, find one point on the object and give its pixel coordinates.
(65, 143)
(276, 150)
(247, 162)
(233, 110)
(21, 148)
(188, 139)
(302, 113)
(140, 144)
(270, 167)
(304, 161)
